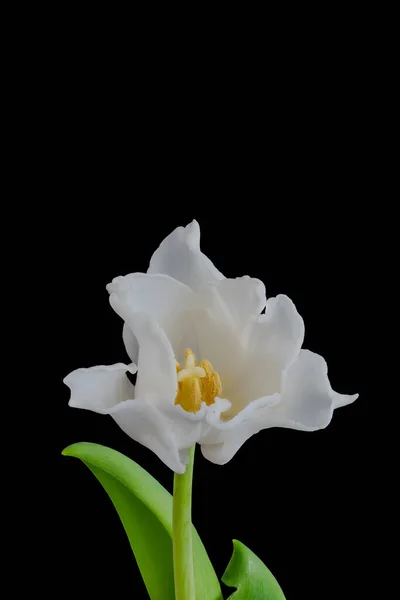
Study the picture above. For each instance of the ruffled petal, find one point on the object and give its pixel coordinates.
(307, 398)
(189, 427)
(274, 340)
(144, 423)
(131, 343)
(306, 402)
(169, 431)
(159, 296)
(234, 301)
(166, 300)
(179, 256)
(340, 400)
(222, 439)
(156, 362)
(279, 333)
(100, 388)
(107, 390)
(251, 362)
(220, 344)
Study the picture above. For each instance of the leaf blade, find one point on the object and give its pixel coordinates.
(123, 479)
(125, 508)
(253, 580)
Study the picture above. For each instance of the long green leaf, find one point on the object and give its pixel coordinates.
(250, 576)
(145, 509)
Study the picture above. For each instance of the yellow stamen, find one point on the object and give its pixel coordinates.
(196, 384)
(211, 384)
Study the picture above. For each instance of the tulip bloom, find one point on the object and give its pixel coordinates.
(216, 361)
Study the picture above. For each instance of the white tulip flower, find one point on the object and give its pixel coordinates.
(212, 367)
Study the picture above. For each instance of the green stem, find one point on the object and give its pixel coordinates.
(182, 533)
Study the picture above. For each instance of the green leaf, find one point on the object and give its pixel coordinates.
(250, 576)
(145, 509)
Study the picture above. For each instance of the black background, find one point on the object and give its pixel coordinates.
(281, 191)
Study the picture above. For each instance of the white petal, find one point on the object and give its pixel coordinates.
(186, 427)
(220, 344)
(160, 296)
(340, 400)
(100, 388)
(224, 438)
(156, 362)
(222, 453)
(107, 390)
(143, 422)
(279, 332)
(190, 427)
(169, 431)
(274, 340)
(164, 299)
(307, 399)
(306, 402)
(251, 364)
(179, 256)
(235, 301)
(245, 374)
(131, 343)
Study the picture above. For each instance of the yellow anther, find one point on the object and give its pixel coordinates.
(211, 384)
(196, 384)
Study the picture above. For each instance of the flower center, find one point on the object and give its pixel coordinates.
(196, 384)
